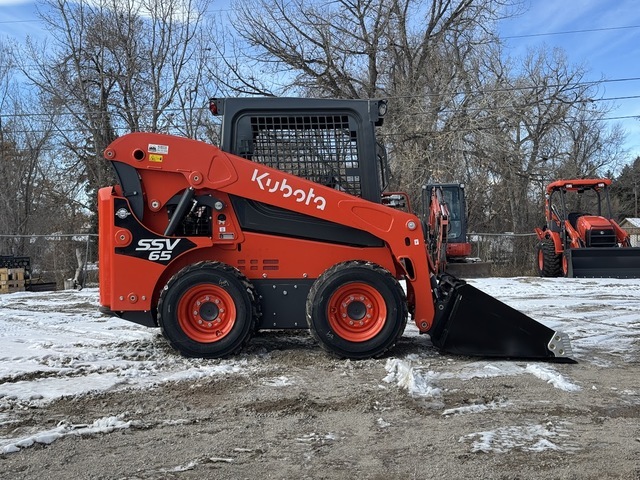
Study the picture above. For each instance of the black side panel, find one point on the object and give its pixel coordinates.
(131, 187)
(147, 319)
(260, 218)
(283, 303)
(146, 244)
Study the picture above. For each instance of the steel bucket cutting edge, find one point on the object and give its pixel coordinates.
(470, 322)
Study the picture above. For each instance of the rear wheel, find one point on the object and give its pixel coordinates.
(548, 261)
(208, 310)
(356, 310)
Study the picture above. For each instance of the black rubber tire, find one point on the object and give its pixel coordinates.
(383, 297)
(197, 283)
(548, 262)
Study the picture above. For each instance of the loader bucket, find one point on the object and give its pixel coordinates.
(470, 322)
(605, 262)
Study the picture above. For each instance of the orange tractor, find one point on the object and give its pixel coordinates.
(292, 229)
(580, 238)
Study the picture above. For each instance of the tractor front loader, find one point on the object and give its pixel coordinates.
(580, 237)
(291, 231)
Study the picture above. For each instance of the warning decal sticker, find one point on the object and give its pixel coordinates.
(156, 148)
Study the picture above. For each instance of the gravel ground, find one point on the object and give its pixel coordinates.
(303, 414)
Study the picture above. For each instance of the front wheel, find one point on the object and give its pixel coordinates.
(356, 310)
(548, 261)
(208, 310)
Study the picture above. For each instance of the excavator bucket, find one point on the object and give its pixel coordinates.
(604, 262)
(470, 322)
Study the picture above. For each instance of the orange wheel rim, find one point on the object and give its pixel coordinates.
(541, 260)
(565, 265)
(357, 312)
(206, 313)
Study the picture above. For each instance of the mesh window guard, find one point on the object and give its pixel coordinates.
(320, 148)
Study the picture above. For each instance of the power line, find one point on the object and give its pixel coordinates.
(568, 121)
(179, 109)
(569, 32)
(19, 21)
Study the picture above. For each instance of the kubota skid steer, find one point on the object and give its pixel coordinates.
(211, 246)
(580, 238)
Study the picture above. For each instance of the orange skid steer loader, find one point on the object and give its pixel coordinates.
(580, 237)
(294, 230)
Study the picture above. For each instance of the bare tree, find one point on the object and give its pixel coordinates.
(543, 124)
(25, 131)
(326, 49)
(422, 55)
(116, 66)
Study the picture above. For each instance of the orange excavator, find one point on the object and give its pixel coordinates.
(293, 229)
(445, 220)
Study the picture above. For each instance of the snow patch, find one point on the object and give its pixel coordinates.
(554, 378)
(281, 381)
(64, 429)
(530, 438)
(410, 378)
(476, 408)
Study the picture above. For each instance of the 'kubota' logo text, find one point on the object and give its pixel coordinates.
(158, 248)
(265, 182)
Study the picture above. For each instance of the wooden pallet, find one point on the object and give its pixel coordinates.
(11, 280)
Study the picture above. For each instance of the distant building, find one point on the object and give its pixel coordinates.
(632, 227)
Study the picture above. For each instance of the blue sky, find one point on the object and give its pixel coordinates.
(605, 38)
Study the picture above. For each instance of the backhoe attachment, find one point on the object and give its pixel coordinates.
(470, 322)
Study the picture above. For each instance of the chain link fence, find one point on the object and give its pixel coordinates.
(63, 258)
(56, 261)
(510, 254)
(634, 233)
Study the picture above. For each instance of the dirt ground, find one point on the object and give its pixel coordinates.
(303, 414)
